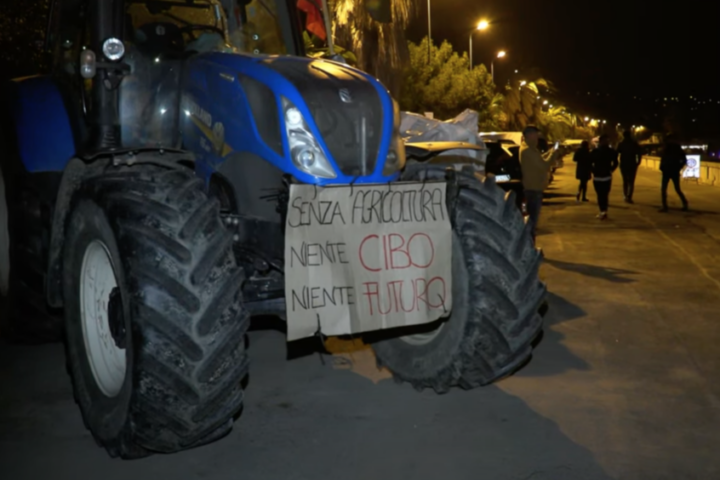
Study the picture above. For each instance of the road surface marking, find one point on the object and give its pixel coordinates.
(694, 261)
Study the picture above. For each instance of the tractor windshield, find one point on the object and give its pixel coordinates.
(206, 25)
(165, 26)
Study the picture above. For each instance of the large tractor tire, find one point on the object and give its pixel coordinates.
(24, 315)
(154, 317)
(496, 296)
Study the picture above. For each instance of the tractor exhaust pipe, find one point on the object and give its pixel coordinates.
(106, 17)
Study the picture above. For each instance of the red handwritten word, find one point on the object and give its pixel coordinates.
(427, 294)
(397, 253)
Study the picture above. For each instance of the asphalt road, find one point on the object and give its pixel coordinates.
(623, 385)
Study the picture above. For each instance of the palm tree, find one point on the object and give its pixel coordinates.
(380, 48)
(522, 105)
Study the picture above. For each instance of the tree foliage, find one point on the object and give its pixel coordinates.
(23, 27)
(446, 86)
(380, 48)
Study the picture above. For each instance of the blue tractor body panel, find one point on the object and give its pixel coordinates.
(214, 106)
(44, 134)
(214, 102)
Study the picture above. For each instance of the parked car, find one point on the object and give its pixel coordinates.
(503, 161)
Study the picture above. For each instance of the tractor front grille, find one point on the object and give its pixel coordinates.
(345, 106)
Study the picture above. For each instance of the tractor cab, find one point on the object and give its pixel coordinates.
(184, 28)
(158, 29)
(134, 74)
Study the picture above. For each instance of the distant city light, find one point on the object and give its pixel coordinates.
(545, 102)
(523, 83)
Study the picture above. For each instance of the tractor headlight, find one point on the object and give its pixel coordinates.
(395, 160)
(305, 151)
(113, 49)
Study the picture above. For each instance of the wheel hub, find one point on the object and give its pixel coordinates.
(427, 335)
(102, 319)
(116, 318)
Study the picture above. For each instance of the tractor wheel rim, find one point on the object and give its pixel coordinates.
(4, 241)
(420, 339)
(107, 361)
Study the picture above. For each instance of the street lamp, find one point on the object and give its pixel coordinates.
(429, 32)
(481, 26)
(501, 54)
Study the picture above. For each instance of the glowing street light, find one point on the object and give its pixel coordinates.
(545, 102)
(587, 119)
(501, 54)
(481, 26)
(523, 83)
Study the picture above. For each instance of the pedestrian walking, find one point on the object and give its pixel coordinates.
(604, 161)
(583, 170)
(630, 157)
(672, 162)
(535, 172)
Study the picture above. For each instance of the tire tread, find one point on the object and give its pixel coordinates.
(189, 340)
(504, 297)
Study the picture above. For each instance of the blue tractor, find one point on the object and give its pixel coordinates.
(144, 193)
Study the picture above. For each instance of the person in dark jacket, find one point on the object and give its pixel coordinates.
(630, 158)
(672, 162)
(583, 171)
(603, 161)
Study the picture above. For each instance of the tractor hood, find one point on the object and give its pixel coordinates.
(345, 105)
(350, 112)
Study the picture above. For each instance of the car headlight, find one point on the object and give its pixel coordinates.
(305, 151)
(395, 160)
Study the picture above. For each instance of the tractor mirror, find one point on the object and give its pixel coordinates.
(379, 10)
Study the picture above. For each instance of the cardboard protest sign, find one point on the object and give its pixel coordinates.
(366, 258)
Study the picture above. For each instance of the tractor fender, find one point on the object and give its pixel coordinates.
(75, 172)
(46, 134)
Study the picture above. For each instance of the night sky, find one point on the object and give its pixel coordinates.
(617, 48)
